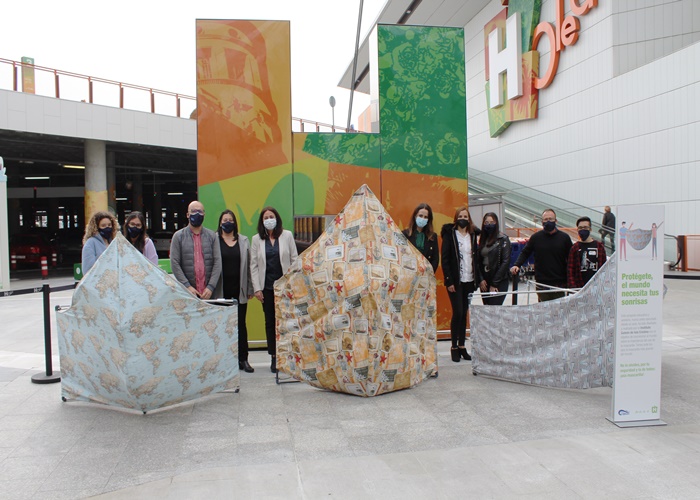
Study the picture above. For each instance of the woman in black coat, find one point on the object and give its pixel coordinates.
(420, 232)
(461, 273)
(494, 260)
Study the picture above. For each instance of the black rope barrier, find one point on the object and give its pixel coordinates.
(49, 377)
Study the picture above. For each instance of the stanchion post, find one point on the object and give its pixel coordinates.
(49, 377)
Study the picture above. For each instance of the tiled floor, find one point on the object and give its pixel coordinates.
(456, 436)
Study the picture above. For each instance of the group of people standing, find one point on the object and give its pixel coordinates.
(212, 264)
(474, 257)
(225, 264)
(471, 257)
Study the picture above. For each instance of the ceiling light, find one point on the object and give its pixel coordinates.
(80, 167)
(174, 194)
(120, 199)
(36, 178)
(27, 162)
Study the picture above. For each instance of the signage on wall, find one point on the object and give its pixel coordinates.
(511, 41)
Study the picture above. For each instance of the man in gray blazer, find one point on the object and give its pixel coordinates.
(195, 255)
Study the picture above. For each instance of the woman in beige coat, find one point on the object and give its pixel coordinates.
(272, 253)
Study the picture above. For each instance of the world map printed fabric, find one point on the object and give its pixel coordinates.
(136, 338)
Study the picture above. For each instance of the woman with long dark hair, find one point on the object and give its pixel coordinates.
(420, 232)
(235, 282)
(494, 260)
(273, 252)
(135, 232)
(461, 272)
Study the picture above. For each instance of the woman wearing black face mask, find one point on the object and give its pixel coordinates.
(99, 233)
(135, 232)
(493, 258)
(461, 273)
(235, 282)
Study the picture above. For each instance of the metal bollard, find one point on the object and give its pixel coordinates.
(49, 377)
(44, 267)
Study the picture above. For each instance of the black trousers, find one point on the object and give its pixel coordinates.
(460, 305)
(269, 310)
(242, 333)
(543, 295)
(496, 300)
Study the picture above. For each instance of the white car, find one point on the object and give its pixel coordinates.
(162, 240)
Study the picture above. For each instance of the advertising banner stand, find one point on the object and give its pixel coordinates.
(636, 398)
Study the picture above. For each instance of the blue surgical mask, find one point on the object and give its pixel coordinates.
(196, 219)
(270, 224)
(228, 227)
(421, 222)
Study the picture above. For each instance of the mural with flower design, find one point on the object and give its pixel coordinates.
(248, 156)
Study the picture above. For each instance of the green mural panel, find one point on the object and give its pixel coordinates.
(422, 100)
(361, 150)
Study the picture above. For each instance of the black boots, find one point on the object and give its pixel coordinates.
(273, 364)
(245, 366)
(455, 354)
(463, 352)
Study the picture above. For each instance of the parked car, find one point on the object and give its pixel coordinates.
(161, 240)
(29, 248)
(70, 241)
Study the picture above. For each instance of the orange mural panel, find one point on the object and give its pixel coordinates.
(243, 97)
(344, 180)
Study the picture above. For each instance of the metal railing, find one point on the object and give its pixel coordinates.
(89, 84)
(95, 90)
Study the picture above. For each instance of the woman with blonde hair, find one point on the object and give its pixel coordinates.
(99, 233)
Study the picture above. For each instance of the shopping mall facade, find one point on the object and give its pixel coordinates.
(617, 121)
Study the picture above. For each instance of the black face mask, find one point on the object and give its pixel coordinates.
(462, 223)
(489, 228)
(228, 227)
(196, 219)
(549, 226)
(106, 233)
(584, 234)
(133, 232)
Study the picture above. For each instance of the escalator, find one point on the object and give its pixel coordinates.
(523, 207)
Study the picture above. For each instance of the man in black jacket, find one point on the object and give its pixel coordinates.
(551, 248)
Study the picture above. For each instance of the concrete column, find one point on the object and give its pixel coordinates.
(111, 183)
(95, 177)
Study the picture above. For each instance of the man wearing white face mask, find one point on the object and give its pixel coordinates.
(272, 253)
(195, 255)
